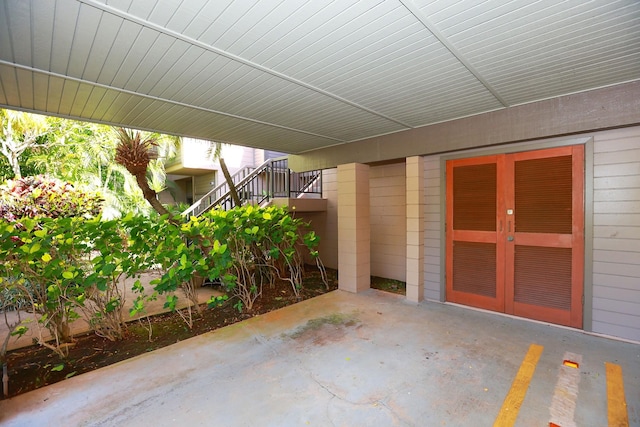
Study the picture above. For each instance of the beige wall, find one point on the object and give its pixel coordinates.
(387, 206)
(202, 184)
(326, 223)
(387, 216)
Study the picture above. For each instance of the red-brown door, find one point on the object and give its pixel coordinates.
(515, 240)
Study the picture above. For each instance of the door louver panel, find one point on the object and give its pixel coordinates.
(543, 189)
(542, 276)
(474, 268)
(474, 197)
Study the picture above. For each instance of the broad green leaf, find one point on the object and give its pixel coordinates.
(45, 258)
(40, 233)
(58, 368)
(19, 331)
(67, 274)
(28, 224)
(171, 302)
(137, 286)
(108, 269)
(102, 284)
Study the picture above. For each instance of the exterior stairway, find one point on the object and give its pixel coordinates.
(270, 183)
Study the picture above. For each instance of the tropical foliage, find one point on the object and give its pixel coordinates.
(41, 196)
(83, 154)
(136, 151)
(63, 267)
(20, 132)
(65, 257)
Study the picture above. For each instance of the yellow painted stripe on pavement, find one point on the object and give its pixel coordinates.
(616, 403)
(511, 405)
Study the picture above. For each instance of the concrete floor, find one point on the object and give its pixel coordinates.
(341, 359)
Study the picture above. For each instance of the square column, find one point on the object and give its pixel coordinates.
(415, 228)
(354, 239)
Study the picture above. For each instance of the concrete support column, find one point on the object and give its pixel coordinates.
(354, 240)
(415, 228)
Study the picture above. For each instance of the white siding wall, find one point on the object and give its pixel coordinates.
(432, 228)
(616, 243)
(387, 204)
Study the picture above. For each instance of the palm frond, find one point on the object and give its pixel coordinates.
(134, 151)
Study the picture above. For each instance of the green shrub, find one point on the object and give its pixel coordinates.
(67, 265)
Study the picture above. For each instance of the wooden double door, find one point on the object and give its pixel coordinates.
(515, 233)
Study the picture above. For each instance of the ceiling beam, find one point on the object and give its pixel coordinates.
(411, 7)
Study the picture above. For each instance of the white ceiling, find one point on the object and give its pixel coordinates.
(296, 75)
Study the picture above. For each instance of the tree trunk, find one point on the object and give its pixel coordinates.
(150, 195)
(15, 165)
(232, 187)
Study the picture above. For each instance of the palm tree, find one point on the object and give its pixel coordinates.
(83, 154)
(135, 152)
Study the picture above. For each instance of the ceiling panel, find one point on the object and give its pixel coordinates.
(16, 23)
(107, 31)
(535, 50)
(294, 75)
(9, 86)
(42, 39)
(40, 86)
(64, 26)
(6, 49)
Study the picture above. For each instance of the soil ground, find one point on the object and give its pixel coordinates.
(389, 285)
(33, 367)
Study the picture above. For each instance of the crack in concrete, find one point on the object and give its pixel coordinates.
(378, 403)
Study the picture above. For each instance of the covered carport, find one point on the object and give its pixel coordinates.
(357, 85)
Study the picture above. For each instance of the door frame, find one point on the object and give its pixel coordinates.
(587, 141)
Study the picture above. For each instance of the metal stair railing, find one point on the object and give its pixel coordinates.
(205, 202)
(271, 179)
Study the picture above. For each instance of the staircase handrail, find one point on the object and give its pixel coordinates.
(256, 171)
(309, 184)
(277, 181)
(218, 189)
